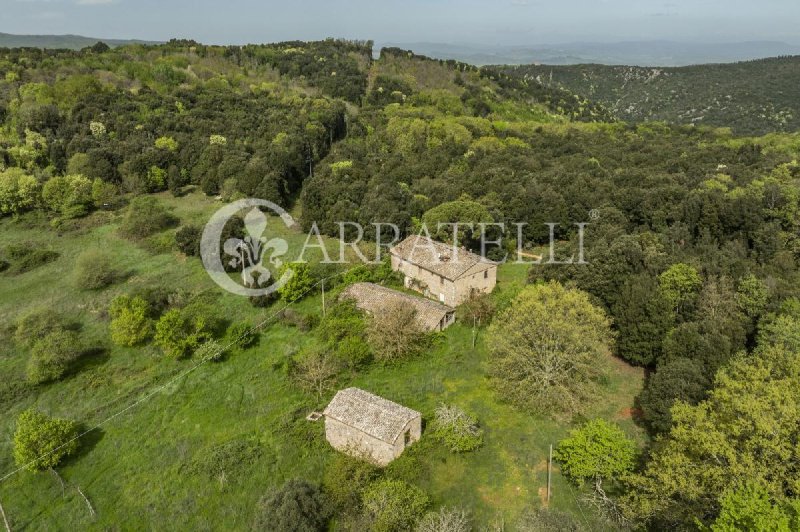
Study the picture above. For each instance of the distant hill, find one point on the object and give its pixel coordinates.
(753, 97)
(644, 53)
(70, 42)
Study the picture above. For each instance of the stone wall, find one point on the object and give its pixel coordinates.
(444, 290)
(349, 440)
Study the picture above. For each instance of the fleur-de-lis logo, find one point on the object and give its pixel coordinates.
(249, 253)
(254, 254)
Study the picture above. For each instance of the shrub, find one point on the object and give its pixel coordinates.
(394, 505)
(130, 320)
(145, 217)
(264, 301)
(241, 335)
(180, 332)
(94, 270)
(547, 520)
(27, 256)
(445, 520)
(187, 238)
(345, 480)
(292, 318)
(41, 442)
(226, 458)
(52, 356)
(342, 319)
(37, 324)
(296, 507)
(353, 352)
(456, 429)
(299, 285)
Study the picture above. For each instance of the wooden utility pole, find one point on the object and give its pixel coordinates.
(474, 320)
(5, 521)
(549, 472)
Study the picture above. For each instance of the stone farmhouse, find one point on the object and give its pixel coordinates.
(441, 272)
(372, 298)
(366, 426)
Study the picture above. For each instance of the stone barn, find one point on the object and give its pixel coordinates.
(440, 272)
(366, 426)
(372, 298)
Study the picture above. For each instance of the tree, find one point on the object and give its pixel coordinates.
(548, 349)
(751, 509)
(752, 295)
(596, 452)
(463, 211)
(394, 505)
(131, 323)
(19, 191)
(69, 195)
(680, 285)
(747, 429)
(295, 507)
(446, 520)
(299, 284)
(53, 355)
(94, 270)
(677, 379)
(41, 442)
(456, 429)
(316, 370)
(643, 317)
(393, 333)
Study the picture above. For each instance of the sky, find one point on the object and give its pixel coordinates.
(494, 22)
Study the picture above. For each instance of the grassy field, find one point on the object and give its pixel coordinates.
(201, 450)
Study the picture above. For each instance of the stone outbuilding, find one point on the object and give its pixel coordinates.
(372, 298)
(439, 271)
(366, 426)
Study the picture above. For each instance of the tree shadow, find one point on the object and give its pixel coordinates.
(86, 444)
(89, 359)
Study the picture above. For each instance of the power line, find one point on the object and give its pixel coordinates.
(212, 354)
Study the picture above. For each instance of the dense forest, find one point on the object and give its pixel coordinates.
(751, 97)
(692, 278)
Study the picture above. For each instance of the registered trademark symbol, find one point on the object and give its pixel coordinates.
(594, 215)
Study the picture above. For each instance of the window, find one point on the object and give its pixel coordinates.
(442, 280)
(408, 437)
(486, 274)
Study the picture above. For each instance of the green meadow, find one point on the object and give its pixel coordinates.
(194, 445)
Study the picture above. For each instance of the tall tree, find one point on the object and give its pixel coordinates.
(548, 349)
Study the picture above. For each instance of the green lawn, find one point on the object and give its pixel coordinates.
(148, 467)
